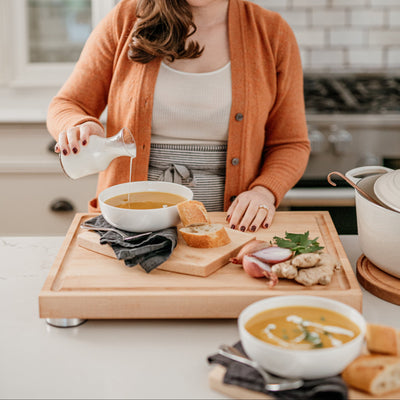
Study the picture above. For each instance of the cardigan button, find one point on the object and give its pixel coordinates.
(235, 161)
(239, 116)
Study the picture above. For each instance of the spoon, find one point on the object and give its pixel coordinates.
(351, 183)
(124, 236)
(272, 383)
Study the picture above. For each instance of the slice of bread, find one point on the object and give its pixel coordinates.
(205, 236)
(192, 212)
(375, 374)
(383, 339)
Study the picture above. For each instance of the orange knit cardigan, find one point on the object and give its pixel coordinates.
(267, 144)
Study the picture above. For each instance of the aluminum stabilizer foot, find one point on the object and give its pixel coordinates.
(65, 322)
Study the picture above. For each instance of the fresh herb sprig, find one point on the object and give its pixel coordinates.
(299, 243)
(313, 338)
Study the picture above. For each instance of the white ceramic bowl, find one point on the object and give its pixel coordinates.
(142, 220)
(306, 364)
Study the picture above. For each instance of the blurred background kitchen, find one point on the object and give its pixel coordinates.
(351, 57)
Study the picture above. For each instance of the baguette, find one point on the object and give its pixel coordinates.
(205, 236)
(192, 212)
(383, 339)
(374, 374)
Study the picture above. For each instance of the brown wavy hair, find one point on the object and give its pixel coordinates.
(161, 30)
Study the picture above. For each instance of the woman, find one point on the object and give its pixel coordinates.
(215, 83)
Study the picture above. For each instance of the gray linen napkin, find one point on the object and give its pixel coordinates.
(332, 388)
(148, 251)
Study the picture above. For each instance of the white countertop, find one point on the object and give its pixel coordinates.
(141, 359)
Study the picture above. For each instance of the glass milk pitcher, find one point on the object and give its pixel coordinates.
(98, 153)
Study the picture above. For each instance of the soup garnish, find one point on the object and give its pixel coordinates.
(145, 200)
(302, 327)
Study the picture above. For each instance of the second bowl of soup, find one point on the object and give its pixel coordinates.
(300, 336)
(143, 206)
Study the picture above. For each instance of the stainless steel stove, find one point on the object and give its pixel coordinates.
(362, 94)
(353, 120)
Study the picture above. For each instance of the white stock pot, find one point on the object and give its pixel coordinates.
(378, 225)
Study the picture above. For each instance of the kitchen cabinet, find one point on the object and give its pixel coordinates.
(36, 197)
(40, 41)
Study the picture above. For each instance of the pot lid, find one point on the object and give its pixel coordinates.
(387, 189)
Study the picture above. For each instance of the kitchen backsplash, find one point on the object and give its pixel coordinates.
(344, 35)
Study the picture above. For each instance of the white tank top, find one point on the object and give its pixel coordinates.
(192, 108)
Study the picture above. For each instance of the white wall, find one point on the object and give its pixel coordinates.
(344, 35)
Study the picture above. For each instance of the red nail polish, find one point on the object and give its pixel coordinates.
(65, 152)
(84, 142)
(253, 228)
(233, 226)
(75, 150)
(242, 228)
(266, 225)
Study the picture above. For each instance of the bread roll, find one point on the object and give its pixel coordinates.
(375, 374)
(205, 236)
(192, 212)
(383, 339)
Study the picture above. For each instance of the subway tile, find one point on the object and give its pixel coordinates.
(328, 17)
(326, 58)
(310, 37)
(305, 57)
(343, 34)
(309, 3)
(296, 18)
(366, 57)
(367, 18)
(384, 3)
(347, 37)
(393, 57)
(394, 18)
(384, 37)
(272, 4)
(349, 3)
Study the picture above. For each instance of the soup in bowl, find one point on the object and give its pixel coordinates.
(300, 336)
(143, 206)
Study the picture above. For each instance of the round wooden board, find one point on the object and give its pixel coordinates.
(377, 282)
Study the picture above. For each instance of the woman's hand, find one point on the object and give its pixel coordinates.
(252, 209)
(71, 139)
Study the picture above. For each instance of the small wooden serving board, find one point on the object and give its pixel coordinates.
(378, 282)
(87, 285)
(184, 259)
(216, 382)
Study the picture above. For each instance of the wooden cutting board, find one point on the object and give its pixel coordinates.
(216, 382)
(84, 284)
(184, 259)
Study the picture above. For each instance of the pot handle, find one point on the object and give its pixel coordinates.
(356, 174)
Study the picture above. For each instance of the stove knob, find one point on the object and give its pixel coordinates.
(317, 141)
(340, 139)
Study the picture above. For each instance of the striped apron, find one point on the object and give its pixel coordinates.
(199, 167)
